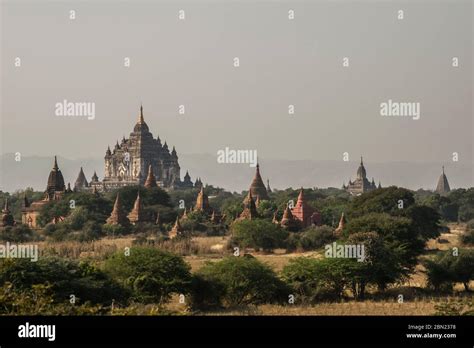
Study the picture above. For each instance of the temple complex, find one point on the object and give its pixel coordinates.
(361, 184)
(138, 160)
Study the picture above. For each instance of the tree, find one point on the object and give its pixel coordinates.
(385, 200)
(18, 234)
(398, 233)
(382, 264)
(266, 208)
(320, 278)
(447, 269)
(66, 278)
(316, 237)
(305, 276)
(152, 274)
(258, 234)
(53, 211)
(243, 281)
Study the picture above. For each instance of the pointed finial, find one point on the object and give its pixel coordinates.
(140, 117)
(443, 169)
(55, 163)
(361, 161)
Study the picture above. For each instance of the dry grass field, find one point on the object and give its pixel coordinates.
(212, 249)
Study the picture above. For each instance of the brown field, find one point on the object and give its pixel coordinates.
(211, 249)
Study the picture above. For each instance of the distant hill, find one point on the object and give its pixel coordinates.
(34, 171)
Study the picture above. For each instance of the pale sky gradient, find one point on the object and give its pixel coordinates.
(282, 62)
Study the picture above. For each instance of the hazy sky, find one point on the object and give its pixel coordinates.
(282, 62)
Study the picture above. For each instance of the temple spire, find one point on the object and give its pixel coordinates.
(150, 179)
(141, 120)
(257, 186)
(136, 215)
(443, 184)
(250, 209)
(118, 216)
(177, 230)
(55, 166)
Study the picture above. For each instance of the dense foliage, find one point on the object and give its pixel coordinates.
(151, 274)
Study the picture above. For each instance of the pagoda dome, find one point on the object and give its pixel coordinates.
(55, 179)
(257, 187)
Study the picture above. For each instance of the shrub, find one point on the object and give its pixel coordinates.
(303, 274)
(316, 279)
(66, 278)
(16, 234)
(240, 281)
(115, 230)
(206, 293)
(447, 269)
(90, 231)
(316, 237)
(57, 232)
(152, 274)
(467, 237)
(258, 234)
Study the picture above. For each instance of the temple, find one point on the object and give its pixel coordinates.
(257, 187)
(7, 217)
(443, 185)
(361, 184)
(55, 189)
(202, 202)
(137, 215)
(176, 231)
(118, 216)
(139, 159)
(250, 209)
(304, 213)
